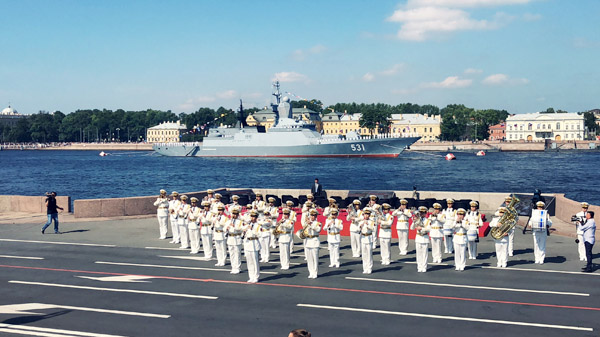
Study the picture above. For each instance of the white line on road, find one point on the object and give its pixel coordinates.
(47, 332)
(468, 286)
(163, 248)
(59, 243)
(469, 319)
(201, 258)
(170, 267)
(16, 308)
(513, 268)
(115, 290)
(21, 257)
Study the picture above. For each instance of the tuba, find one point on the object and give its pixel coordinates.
(303, 233)
(508, 220)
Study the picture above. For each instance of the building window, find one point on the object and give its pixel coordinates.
(430, 129)
(538, 126)
(557, 126)
(529, 127)
(543, 126)
(578, 125)
(521, 127)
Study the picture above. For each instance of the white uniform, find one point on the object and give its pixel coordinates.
(182, 215)
(219, 237)
(581, 245)
(449, 215)
(293, 217)
(367, 228)
(501, 246)
(206, 231)
(385, 237)
(251, 249)
(162, 214)
(286, 226)
(421, 244)
(234, 242)
(173, 211)
(474, 220)
(259, 206)
(193, 229)
(460, 244)
(311, 246)
(214, 207)
(375, 216)
(436, 225)
(511, 233)
(273, 215)
(333, 228)
(402, 229)
(539, 236)
(265, 238)
(355, 233)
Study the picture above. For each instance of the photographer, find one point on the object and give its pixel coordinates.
(52, 211)
(589, 238)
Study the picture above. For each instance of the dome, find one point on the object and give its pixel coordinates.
(9, 111)
(286, 99)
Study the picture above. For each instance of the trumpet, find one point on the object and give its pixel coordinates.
(303, 233)
(277, 230)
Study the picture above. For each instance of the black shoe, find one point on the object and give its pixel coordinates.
(587, 270)
(43, 230)
(57, 232)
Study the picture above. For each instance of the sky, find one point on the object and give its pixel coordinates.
(520, 55)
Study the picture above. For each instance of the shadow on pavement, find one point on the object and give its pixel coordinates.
(22, 320)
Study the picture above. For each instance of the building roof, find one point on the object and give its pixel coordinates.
(415, 119)
(498, 126)
(8, 111)
(169, 126)
(536, 116)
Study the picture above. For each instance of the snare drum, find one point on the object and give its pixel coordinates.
(448, 231)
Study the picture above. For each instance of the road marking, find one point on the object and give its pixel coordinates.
(468, 286)
(429, 263)
(163, 248)
(23, 309)
(59, 243)
(171, 267)
(469, 319)
(128, 278)
(47, 332)
(512, 268)
(200, 258)
(21, 257)
(465, 299)
(115, 290)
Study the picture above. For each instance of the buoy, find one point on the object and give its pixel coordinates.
(450, 156)
(103, 154)
(481, 153)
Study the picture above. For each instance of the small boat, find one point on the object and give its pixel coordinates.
(450, 156)
(103, 154)
(480, 153)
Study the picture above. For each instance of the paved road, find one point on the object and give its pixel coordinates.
(114, 278)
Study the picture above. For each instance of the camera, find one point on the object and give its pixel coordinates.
(576, 240)
(575, 218)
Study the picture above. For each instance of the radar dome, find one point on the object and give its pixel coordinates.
(286, 99)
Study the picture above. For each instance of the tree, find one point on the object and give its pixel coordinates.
(455, 118)
(589, 122)
(20, 132)
(375, 117)
(314, 105)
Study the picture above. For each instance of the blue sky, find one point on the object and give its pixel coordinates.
(519, 55)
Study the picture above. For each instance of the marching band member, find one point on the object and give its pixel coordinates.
(333, 226)
(234, 204)
(449, 214)
(174, 204)
(539, 221)
(511, 233)
(258, 204)
(421, 239)
(218, 226)
(367, 227)
(182, 214)
(206, 221)
(580, 243)
(355, 215)
(293, 217)
(332, 206)
(192, 226)
(304, 218)
(162, 214)
(264, 236)
(246, 216)
(309, 203)
(376, 215)
(402, 214)
(501, 245)
(285, 228)
(234, 240)
(214, 207)
(385, 233)
(252, 246)
(274, 214)
(436, 224)
(460, 240)
(475, 221)
(210, 197)
(311, 244)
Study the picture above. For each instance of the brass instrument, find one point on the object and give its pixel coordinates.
(303, 233)
(508, 220)
(277, 230)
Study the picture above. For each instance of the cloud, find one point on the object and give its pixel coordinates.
(531, 17)
(289, 76)
(502, 79)
(227, 94)
(302, 54)
(473, 71)
(451, 82)
(195, 102)
(368, 77)
(423, 19)
(393, 70)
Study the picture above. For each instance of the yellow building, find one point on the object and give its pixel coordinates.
(166, 132)
(266, 117)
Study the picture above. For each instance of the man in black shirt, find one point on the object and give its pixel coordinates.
(52, 211)
(317, 189)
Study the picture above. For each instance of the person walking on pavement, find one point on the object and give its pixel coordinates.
(52, 211)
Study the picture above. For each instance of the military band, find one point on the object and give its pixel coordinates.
(182, 214)
(234, 240)
(460, 240)
(173, 214)
(475, 222)
(206, 231)
(162, 214)
(449, 216)
(501, 244)
(333, 227)
(421, 238)
(436, 225)
(355, 216)
(193, 228)
(311, 243)
(385, 234)
(539, 222)
(402, 215)
(252, 246)
(367, 227)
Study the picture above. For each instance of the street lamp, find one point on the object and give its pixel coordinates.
(119, 134)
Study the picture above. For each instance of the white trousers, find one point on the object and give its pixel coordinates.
(207, 246)
(375, 231)
(175, 230)
(581, 248)
(422, 256)
(334, 254)
(194, 235)
(221, 251)
(511, 242)
(312, 260)
(183, 234)
(234, 257)
(501, 254)
(539, 246)
(403, 241)
(460, 256)
(367, 257)
(284, 255)
(291, 245)
(264, 248)
(385, 250)
(163, 225)
(436, 249)
(472, 247)
(448, 244)
(355, 244)
(253, 265)
(273, 241)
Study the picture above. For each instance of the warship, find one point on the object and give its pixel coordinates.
(288, 137)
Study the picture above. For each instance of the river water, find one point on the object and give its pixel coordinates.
(85, 175)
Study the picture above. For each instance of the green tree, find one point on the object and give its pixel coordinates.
(455, 118)
(20, 132)
(375, 117)
(589, 122)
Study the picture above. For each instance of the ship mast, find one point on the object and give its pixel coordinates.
(275, 105)
(241, 123)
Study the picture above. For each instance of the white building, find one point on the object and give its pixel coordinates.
(166, 132)
(539, 126)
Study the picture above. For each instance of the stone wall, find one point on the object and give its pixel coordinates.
(35, 204)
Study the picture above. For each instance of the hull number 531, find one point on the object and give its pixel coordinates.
(357, 147)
